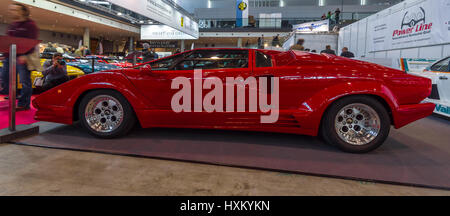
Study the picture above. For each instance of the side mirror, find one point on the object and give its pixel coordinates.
(146, 68)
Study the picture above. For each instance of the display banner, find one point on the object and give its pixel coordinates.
(241, 13)
(410, 24)
(162, 12)
(319, 26)
(162, 32)
(163, 44)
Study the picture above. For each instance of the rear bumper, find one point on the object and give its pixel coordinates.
(406, 114)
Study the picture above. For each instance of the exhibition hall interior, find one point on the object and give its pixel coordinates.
(225, 98)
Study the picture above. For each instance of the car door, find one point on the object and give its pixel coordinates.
(156, 86)
(219, 64)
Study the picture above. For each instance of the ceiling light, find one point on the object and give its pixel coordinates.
(119, 14)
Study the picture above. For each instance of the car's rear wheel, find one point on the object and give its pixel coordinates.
(357, 124)
(106, 114)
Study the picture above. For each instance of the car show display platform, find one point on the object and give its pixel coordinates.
(25, 117)
(417, 155)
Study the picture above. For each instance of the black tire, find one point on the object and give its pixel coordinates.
(329, 134)
(129, 117)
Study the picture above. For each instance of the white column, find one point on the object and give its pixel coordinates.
(182, 46)
(239, 43)
(86, 38)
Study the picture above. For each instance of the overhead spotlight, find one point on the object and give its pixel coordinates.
(142, 21)
(119, 14)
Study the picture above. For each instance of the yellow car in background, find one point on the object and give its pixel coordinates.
(72, 72)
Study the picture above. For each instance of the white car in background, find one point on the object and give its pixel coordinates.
(439, 72)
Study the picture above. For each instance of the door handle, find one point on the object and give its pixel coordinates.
(443, 78)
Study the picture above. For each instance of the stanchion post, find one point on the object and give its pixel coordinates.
(15, 46)
(12, 87)
(134, 59)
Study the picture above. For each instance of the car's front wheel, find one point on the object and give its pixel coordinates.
(106, 114)
(357, 124)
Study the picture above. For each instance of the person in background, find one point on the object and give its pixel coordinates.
(87, 51)
(329, 15)
(59, 49)
(148, 54)
(307, 50)
(67, 50)
(324, 17)
(156, 54)
(178, 50)
(21, 26)
(346, 53)
(79, 52)
(314, 51)
(261, 42)
(299, 45)
(276, 40)
(42, 47)
(55, 72)
(328, 50)
(50, 48)
(337, 14)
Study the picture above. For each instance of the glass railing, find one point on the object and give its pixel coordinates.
(276, 23)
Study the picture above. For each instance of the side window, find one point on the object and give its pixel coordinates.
(263, 60)
(166, 64)
(215, 59)
(441, 66)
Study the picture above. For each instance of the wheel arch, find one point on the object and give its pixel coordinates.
(78, 100)
(378, 98)
(319, 104)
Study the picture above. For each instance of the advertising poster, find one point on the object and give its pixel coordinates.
(319, 26)
(162, 32)
(421, 23)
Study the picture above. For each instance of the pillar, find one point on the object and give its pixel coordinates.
(182, 46)
(131, 47)
(86, 38)
(239, 43)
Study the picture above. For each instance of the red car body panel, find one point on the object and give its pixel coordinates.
(103, 59)
(309, 83)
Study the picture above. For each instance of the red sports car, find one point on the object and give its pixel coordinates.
(351, 104)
